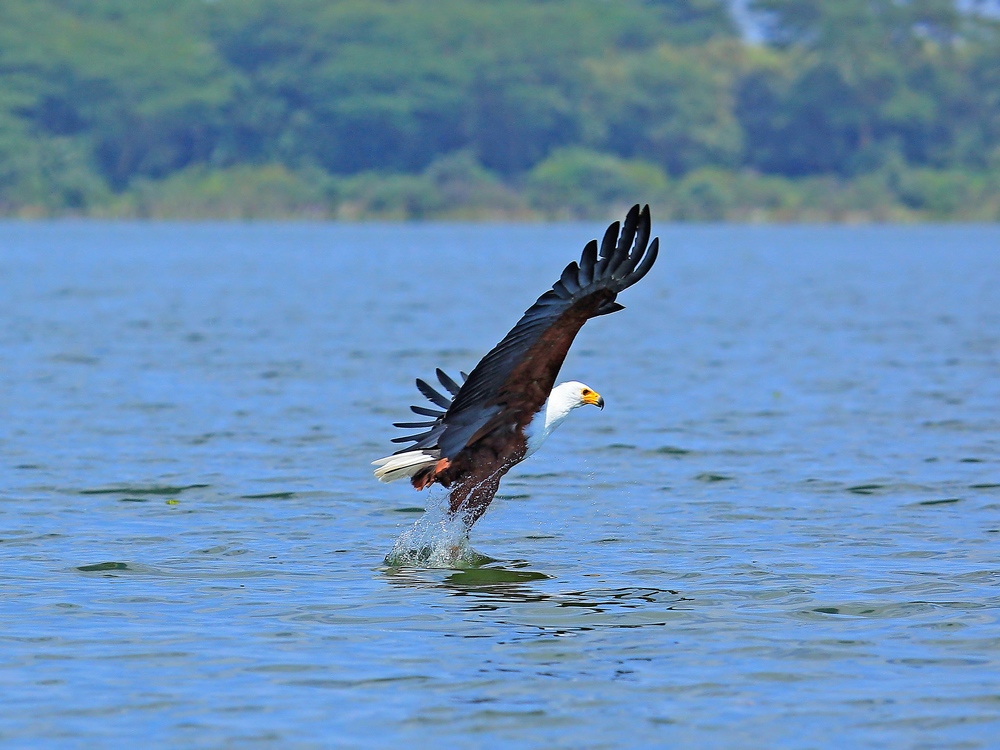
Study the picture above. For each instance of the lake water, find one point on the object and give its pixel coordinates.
(782, 531)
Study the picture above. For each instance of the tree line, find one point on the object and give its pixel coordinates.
(355, 108)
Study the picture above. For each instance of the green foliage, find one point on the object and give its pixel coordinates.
(453, 187)
(239, 192)
(864, 81)
(577, 183)
(358, 85)
(669, 105)
(130, 82)
(940, 195)
(694, 21)
(497, 108)
(43, 176)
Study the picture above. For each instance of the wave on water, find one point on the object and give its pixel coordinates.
(437, 540)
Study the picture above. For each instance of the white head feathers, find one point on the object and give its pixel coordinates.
(562, 400)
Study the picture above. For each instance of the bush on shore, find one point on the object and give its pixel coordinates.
(570, 185)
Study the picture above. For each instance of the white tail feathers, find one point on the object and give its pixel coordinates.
(406, 464)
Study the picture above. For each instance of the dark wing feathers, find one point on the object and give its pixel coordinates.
(610, 242)
(413, 425)
(432, 395)
(530, 355)
(608, 247)
(646, 264)
(425, 412)
(627, 238)
(587, 262)
(642, 231)
(608, 307)
(447, 382)
(432, 428)
(570, 278)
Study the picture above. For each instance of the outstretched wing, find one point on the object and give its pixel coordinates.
(510, 384)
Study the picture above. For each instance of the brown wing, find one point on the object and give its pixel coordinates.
(512, 382)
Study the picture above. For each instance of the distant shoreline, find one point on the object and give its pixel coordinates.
(470, 194)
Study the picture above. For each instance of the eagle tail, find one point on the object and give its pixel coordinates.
(408, 464)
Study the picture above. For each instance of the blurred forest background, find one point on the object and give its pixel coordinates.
(853, 110)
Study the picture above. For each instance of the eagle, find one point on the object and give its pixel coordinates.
(509, 404)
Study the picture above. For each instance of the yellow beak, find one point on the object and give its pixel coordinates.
(594, 399)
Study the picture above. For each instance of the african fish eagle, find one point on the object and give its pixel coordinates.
(507, 406)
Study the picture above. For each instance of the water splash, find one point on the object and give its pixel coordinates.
(437, 540)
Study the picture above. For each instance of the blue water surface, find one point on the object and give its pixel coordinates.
(783, 530)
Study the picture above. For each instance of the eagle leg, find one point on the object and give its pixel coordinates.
(471, 499)
(430, 474)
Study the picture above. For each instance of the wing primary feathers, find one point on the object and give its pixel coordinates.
(642, 235)
(647, 263)
(433, 396)
(465, 375)
(587, 262)
(452, 387)
(620, 266)
(610, 242)
(628, 265)
(623, 271)
(571, 278)
(607, 308)
(425, 412)
(608, 246)
(628, 229)
(414, 425)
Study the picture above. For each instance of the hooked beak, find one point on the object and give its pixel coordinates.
(594, 399)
